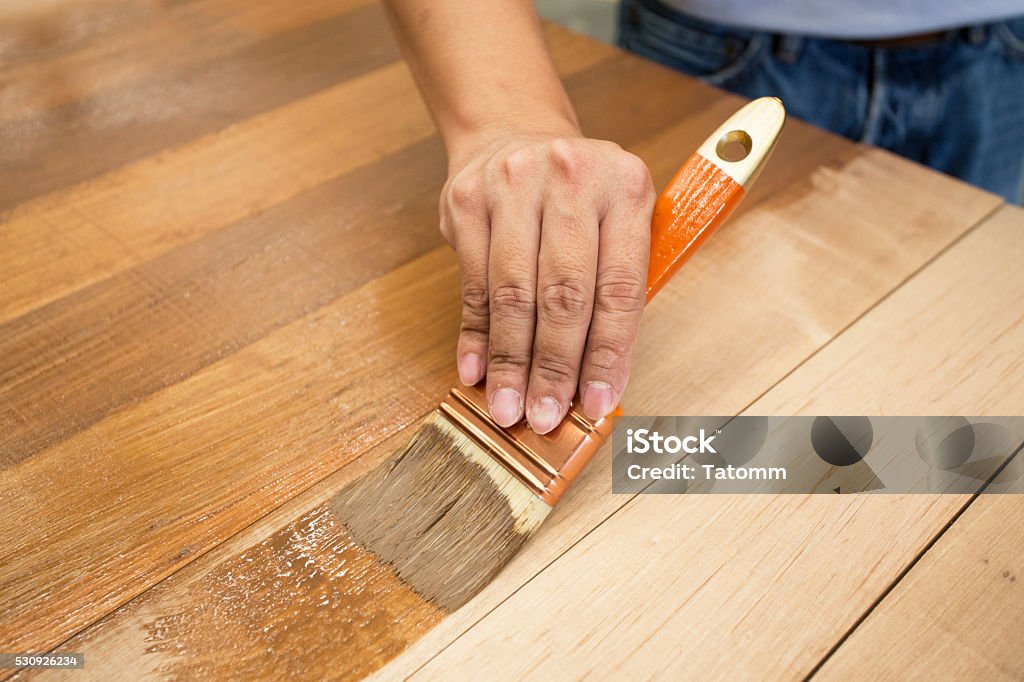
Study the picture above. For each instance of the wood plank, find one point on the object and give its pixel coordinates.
(61, 242)
(114, 53)
(81, 139)
(763, 586)
(69, 239)
(148, 488)
(37, 28)
(137, 541)
(197, 303)
(270, 566)
(959, 612)
(123, 338)
(418, 374)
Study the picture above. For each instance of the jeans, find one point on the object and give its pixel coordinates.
(956, 105)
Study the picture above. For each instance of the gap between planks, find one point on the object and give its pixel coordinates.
(911, 565)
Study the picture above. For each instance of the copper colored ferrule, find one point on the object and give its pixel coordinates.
(547, 464)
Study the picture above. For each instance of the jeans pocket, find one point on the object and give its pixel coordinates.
(715, 54)
(1010, 35)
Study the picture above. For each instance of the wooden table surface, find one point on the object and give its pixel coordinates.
(223, 296)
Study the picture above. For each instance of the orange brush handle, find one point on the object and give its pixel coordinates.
(709, 186)
(705, 191)
(696, 202)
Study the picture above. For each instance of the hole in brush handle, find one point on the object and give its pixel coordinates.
(734, 146)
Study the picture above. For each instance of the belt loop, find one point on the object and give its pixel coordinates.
(977, 34)
(787, 46)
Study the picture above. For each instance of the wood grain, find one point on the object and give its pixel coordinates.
(163, 320)
(302, 246)
(217, 295)
(145, 490)
(783, 576)
(82, 138)
(58, 58)
(736, 249)
(959, 613)
(71, 238)
(280, 563)
(222, 287)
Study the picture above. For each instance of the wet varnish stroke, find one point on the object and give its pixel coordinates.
(330, 610)
(306, 601)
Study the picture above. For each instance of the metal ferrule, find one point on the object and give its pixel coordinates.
(547, 464)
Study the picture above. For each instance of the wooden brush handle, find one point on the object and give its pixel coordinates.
(709, 187)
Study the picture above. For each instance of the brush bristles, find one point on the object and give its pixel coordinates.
(443, 512)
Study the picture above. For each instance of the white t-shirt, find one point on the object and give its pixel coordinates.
(850, 18)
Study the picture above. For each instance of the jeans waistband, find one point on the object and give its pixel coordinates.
(973, 34)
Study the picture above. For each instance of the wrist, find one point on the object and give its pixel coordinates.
(466, 141)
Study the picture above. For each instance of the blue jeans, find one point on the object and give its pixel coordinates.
(956, 105)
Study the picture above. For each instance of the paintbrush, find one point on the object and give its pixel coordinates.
(455, 505)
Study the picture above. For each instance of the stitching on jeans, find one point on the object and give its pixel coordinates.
(876, 97)
(1011, 41)
(741, 63)
(664, 29)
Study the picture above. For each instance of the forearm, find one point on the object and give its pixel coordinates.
(483, 67)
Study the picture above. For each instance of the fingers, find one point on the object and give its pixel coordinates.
(553, 239)
(567, 265)
(464, 225)
(619, 292)
(512, 276)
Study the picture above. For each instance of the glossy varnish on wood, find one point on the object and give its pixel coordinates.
(222, 298)
(275, 156)
(198, 309)
(183, 97)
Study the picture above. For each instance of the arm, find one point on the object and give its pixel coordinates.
(552, 230)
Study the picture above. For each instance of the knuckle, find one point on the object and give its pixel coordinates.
(446, 231)
(465, 193)
(508, 361)
(636, 178)
(475, 302)
(620, 291)
(608, 355)
(514, 167)
(569, 221)
(513, 300)
(564, 299)
(568, 159)
(471, 334)
(555, 369)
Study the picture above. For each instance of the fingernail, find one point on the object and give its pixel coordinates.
(597, 399)
(544, 415)
(506, 406)
(471, 369)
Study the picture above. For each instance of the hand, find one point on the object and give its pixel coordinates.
(552, 233)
